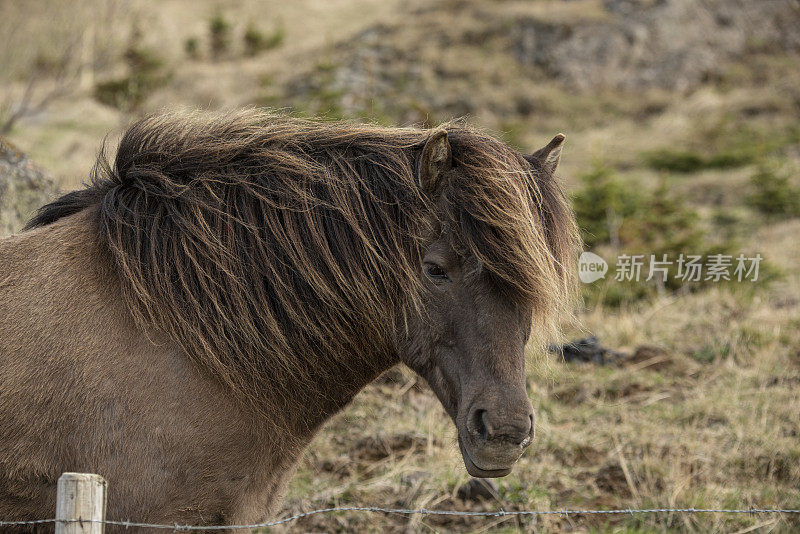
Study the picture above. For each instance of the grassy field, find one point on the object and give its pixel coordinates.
(704, 409)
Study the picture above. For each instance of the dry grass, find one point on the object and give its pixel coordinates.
(712, 420)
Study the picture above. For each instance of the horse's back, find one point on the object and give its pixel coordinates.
(83, 389)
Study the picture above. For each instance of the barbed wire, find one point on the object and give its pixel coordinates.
(402, 511)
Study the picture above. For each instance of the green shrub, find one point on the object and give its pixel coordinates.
(689, 161)
(773, 195)
(684, 161)
(276, 38)
(732, 158)
(192, 47)
(602, 206)
(219, 31)
(142, 60)
(255, 41)
(621, 219)
(612, 213)
(145, 75)
(665, 224)
(726, 144)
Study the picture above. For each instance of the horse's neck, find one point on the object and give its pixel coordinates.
(312, 402)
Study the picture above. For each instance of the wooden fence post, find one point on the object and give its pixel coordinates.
(81, 496)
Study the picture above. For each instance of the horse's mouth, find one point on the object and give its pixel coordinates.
(476, 471)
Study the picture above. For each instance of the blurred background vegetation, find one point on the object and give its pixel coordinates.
(683, 136)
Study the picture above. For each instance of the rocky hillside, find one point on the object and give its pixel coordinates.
(670, 44)
(468, 57)
(24, 186)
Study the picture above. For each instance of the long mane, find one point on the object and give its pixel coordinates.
(262, 244)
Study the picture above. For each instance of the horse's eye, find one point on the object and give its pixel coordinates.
(435, 273)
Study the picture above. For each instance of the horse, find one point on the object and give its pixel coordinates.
(185, 322)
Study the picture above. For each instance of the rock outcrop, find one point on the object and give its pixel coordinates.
(24, 186)
(669, 44)
(457, 54)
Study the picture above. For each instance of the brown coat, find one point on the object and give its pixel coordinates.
(81, 389)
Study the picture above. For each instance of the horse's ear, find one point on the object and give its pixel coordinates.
(549, 156)
(435, 161)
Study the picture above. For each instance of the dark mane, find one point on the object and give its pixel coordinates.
(261, 243)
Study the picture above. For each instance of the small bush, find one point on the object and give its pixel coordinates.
(192, 47)
(731, 159)
(773, 195)
(621, 219)
(602, 206)
(683, 161)
(255, 41)
(665, 224)
(219, 31)
(689, 161)
(612, 213)
(142, 60)
(145, 74)
(725, 145)
(276, 38)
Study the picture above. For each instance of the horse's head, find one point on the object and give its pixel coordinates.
(468, 340)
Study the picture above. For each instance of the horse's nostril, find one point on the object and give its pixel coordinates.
(499, 427)
(479, 422)
(487, 425)
(528, 436)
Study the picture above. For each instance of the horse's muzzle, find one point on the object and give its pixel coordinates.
(491, 451)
